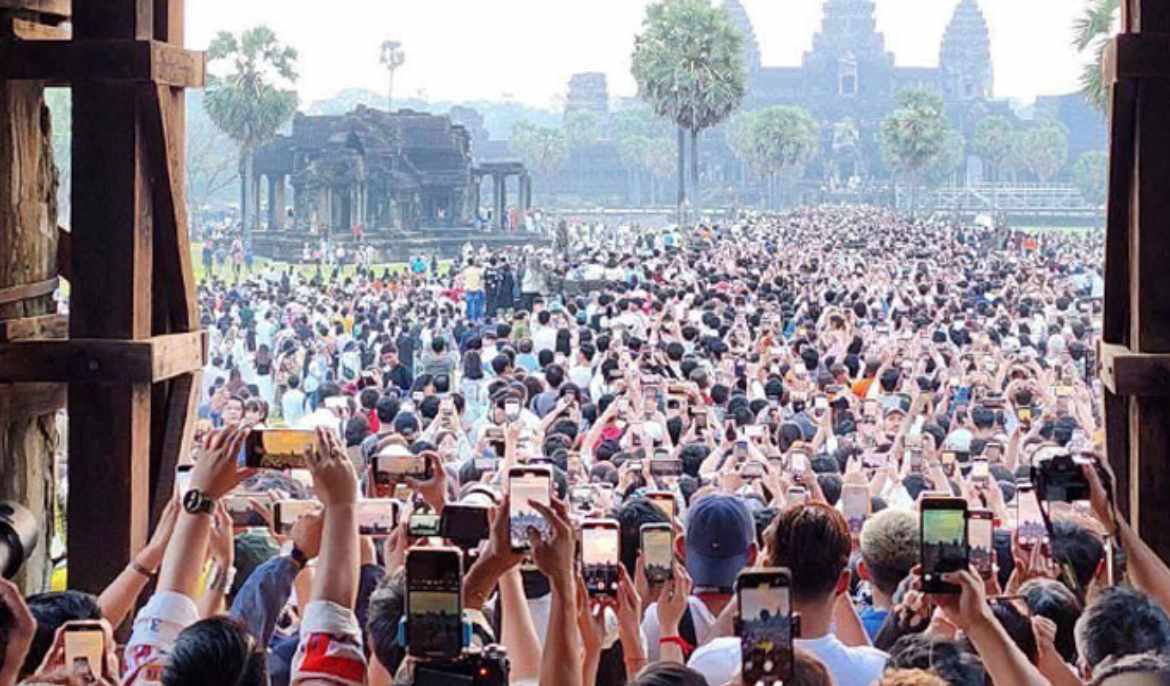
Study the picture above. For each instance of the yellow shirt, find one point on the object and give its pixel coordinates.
(473, 279)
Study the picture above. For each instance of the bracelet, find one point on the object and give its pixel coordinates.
(683, 644)
(137, 567)
(299, 557)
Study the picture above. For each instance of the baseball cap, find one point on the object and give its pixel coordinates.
(720, 530)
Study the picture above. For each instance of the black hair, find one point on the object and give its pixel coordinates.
(1052, 599)
(632, 515)
(218, 650)
(51, 611)
(1121, 621)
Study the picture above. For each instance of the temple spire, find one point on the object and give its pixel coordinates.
(965, 54)
(751, 44)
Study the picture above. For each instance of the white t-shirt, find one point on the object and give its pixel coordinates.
(720, 659)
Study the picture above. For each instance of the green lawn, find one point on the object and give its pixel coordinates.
(261, 263)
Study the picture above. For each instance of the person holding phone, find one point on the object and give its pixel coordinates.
(813, 542)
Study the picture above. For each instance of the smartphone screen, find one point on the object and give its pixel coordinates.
(377, 517)
(241, 508)
(183, 479)
(944, 542)
(765, 625)
(84, 647)
(980, 472)
(279, 448)
(398, 467)
(855, 503)
(799, 463)
(663, 500)
(599, 556)
(423, 525)
(666, 467)
(1029, 520)
(433, 605)
(657, 542)
(286, 513)
(464, 524)
(981, 541)
(527, 484)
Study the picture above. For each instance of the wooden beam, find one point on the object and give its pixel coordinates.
(100, 360)
(1127, 373)
(64, 252)
(174, 412)
(58, 8)
(19, 402)
(172, 248)
(63, 62)
(52, 326)
(25, 29)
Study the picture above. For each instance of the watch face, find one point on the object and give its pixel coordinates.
(194, 502)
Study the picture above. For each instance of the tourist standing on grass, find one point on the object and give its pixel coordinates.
(473, 286)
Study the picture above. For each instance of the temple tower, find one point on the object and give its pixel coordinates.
(965, 56)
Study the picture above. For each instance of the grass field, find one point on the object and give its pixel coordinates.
(307, 270)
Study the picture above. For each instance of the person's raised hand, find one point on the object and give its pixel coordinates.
(967, 608)
(499, 547)
(1099, 497)
(221, 545)
(1045, 632)
(629, 607)
(672, 602)
(434, 489)
(216, 473)
(151, 555)
(22, 626)
(306, 533)
(553, 554)
(333, 476)
(590, 620)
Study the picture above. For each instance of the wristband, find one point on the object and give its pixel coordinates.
(298, 556)
(137, 567)
(683, 644)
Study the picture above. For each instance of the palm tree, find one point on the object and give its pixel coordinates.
(913, 136)
(632, 150)
(1093, 30)
(247, 103)
(392, 57)
(689, 66)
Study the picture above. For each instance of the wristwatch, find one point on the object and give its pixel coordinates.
(299, 557)
(197, 502)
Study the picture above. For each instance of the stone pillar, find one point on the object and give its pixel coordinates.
(476, 182)
(525, 193)
(256, 194)
(278, 202)
(271, 202)
(502, 204)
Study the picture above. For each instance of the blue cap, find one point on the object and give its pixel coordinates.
(720, 530)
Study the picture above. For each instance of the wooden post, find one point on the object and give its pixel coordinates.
(1137, 314)
(28, 254)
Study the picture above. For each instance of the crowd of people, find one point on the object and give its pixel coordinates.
(737, 385)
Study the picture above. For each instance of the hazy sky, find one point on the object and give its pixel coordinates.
(472, 49)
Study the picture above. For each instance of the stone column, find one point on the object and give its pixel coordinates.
(502, 209)
(271, 202)
(278, 202)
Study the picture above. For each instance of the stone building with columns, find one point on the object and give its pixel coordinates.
(369, 168)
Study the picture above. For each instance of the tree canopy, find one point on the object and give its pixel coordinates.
(993, 140)
(1045, 149)
(1092, 31)
(543, 148)
(248, 103)
(688, 63)
(914, 133)
(775, 139)
(1091, 175)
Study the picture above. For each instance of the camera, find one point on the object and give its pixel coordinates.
(486, 667)
(1061, 479)
(18, 537)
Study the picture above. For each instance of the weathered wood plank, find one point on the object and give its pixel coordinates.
(62, 62)
(1123, 100)
(1127, 373)
(21, 402)
(25, 29)
(172, 247)
(173, 413)
(60, 9)
(42, 326)
(100, 360)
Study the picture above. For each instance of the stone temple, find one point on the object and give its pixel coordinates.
(850, 73)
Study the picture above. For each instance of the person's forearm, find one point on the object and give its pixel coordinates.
(480, 580)
(119, 597)
(183, 560)
(1057, 672)
(561, 662)
(591, 662)
(1146, 570)
(339, 556)
(517, 632)
(1005, 663)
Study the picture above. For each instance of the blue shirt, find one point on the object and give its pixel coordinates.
(872, 619)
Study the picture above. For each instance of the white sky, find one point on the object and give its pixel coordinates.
(483, 49)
